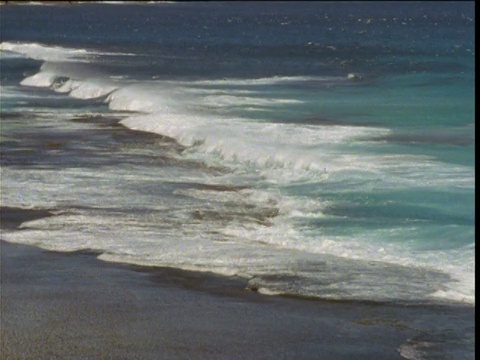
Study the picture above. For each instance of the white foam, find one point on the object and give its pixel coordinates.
(231, 247)
(455, 295)
(270, 80)
(43, 52)
(143, 98)
(298, 150)
(47, 53)
(229, 101)
(276, 153)
(269, 292)
(10, 55)
(190, 247)
(86, 89)
(41, 79)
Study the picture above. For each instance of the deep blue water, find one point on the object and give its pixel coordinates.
(319, 149)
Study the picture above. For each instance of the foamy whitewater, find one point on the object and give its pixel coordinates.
(325, 150)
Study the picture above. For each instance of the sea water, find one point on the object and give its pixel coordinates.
(320, 149)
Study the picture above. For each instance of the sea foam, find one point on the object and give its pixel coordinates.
(46, 53)
(277, 153)
(43, 52)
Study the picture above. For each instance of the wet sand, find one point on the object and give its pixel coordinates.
(72, 305)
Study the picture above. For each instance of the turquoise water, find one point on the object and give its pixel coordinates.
(321, 150)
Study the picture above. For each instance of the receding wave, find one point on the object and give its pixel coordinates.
(279, 153)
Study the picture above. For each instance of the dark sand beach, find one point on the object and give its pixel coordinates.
(72, 305)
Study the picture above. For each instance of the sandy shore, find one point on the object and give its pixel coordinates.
(72, 305)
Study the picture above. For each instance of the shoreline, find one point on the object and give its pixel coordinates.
(204, 281)
(231, 139)
(60, 304)
(57, 305)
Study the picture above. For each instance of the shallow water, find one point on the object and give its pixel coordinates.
(321, 150)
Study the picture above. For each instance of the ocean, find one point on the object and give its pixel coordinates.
(317, 149)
